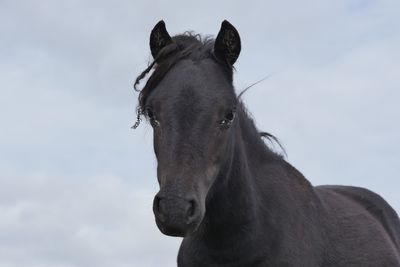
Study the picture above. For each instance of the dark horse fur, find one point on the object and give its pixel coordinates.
(234, 200)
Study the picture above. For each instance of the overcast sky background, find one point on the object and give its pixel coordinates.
(76, 183)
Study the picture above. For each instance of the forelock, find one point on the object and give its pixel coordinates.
(184, 46)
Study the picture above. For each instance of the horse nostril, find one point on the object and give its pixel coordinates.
(157, 209)
(191, 211)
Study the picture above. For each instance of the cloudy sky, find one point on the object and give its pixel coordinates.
(76, 183)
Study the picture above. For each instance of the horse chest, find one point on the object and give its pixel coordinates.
(192, 254)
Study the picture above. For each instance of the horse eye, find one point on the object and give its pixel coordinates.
(154, 122)
(228, 119)
(230, 116)
(149, 113)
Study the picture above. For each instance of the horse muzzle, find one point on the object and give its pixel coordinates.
(176, 216)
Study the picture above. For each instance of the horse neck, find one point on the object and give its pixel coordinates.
(233, 199)
(256, 207)
(253, 186)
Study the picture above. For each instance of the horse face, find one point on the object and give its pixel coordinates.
(192, 118)
(192, 111)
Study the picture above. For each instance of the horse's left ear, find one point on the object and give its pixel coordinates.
(227, 44)
(159, 38)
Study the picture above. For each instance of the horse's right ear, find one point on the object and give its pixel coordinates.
(159, 38)
(227, 44)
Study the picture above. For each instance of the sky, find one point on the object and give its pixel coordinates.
(76, 183)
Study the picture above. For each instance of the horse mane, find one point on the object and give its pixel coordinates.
(252, 133)
(186, 46)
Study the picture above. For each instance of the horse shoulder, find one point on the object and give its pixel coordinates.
(361, 223)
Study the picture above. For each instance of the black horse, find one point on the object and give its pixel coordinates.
(235, 201)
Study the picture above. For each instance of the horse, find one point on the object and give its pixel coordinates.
(234, 199)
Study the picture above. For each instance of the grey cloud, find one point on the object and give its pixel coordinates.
(76, 184)
(56, 220)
